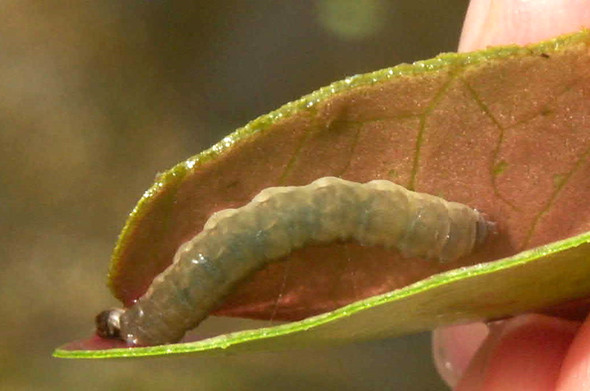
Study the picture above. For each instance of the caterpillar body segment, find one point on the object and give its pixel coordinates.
(235, 243)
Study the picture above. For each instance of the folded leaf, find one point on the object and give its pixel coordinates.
(504, 130)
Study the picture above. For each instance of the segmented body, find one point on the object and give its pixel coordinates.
(237, 242)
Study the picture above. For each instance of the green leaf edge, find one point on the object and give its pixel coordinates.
(174, 175)
(222, 342)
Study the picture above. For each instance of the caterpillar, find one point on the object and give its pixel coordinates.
(234, 243)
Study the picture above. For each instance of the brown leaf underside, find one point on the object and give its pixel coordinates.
(510, 137)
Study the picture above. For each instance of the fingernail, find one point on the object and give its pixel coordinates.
(453, 347)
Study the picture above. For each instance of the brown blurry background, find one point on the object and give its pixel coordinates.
(98, 96)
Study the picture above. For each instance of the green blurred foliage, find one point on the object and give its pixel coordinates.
(96, 97)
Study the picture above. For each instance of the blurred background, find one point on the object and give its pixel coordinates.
(97, 97)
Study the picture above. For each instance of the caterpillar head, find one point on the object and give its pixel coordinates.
(108, 323)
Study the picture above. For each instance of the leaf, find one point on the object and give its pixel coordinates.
(503, 130)
(533, 279)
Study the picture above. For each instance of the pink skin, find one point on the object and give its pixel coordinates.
(524, 353)
(500, 22)
(529, 352)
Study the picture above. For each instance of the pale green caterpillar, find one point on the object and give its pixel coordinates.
(237, 242)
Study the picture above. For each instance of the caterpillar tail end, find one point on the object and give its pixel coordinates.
(484, 229)
(108, 323)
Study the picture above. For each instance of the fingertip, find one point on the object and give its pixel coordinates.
(523, 353)
(501, 22)
(575, 371)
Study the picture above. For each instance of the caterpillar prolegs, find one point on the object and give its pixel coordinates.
(234, 243)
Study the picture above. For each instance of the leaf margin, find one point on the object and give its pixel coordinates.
(247, 339)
